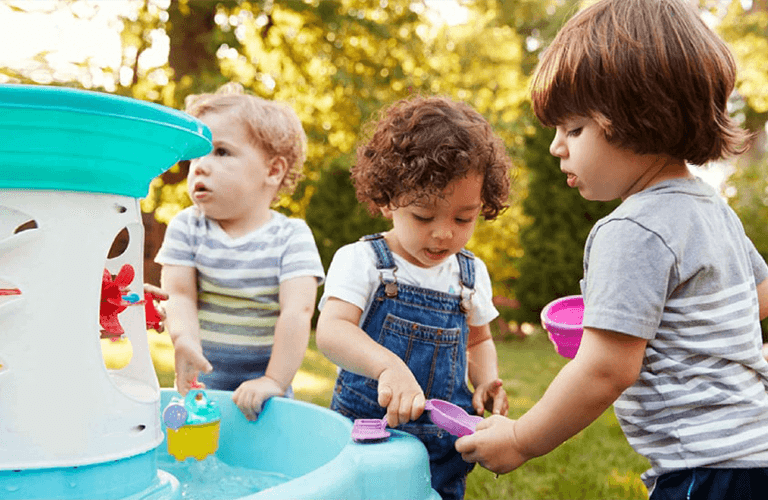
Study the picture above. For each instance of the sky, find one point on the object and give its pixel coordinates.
(45, 28)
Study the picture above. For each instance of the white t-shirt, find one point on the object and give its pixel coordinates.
(353, 277)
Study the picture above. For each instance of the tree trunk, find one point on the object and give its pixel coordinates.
(193, 34)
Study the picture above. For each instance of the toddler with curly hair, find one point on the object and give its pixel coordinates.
(405, 314)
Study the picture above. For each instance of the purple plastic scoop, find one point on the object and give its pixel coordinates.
(370, 429)
(443, 414)
(451, 418)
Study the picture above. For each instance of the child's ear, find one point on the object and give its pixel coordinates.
(277, 170)
(386, 211)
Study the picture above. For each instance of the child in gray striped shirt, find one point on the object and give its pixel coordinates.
(674, 291)
(241, 278)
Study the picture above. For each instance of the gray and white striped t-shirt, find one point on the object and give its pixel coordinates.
(672, 265)
(238, 279)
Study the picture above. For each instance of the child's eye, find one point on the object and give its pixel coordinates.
(421, 218)
(221, 152)
(575, 132)
(463, 221)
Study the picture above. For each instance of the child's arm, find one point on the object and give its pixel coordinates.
(297, 303)
(762, 298)
(762, 301)
(180, 282)
(344, 343)
(606, 364)
(484, 372)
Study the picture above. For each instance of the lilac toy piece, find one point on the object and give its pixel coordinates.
(562, 319)
(369, 429)
(451, 418)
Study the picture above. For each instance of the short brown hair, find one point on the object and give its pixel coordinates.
(272, 126)
(420, 145)
(650, 72)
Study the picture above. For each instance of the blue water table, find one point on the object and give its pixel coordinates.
(73, 165)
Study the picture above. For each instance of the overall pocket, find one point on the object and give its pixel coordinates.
(432, 353)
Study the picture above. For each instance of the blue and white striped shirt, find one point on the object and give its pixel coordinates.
(238, 279)
(672, 265)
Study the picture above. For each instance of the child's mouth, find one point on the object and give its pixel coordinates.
(436, 254)
(200, 190)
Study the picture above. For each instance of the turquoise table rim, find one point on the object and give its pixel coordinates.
(60, 138)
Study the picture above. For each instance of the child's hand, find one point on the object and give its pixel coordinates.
(401, 395)
(157, 294)
(251, 394)
(189, 362)
(491, 396)
(493, 445)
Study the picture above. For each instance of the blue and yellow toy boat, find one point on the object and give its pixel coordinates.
(193, 424)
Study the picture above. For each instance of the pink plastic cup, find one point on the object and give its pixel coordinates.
(562, 319)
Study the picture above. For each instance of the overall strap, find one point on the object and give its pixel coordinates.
(466, 268)
(384, 259)
(467, 278)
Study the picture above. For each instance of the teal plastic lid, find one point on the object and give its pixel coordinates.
(74, 140)
(201, 409)
(193, 409)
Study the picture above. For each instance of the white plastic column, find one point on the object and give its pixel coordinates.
(59, 405)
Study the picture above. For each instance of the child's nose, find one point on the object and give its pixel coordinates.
(442, 233)
(199, 166)
(557, 148)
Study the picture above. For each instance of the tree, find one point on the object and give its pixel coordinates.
(553, 244)
(337, 64)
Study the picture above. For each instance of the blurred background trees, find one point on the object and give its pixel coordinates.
(337, 62)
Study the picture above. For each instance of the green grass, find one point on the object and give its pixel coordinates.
(595, 464)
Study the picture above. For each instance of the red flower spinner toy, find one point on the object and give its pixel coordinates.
(115, 298)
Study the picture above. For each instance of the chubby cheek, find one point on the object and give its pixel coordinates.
(600, 189)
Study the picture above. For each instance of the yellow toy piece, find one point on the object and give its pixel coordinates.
(196, 441)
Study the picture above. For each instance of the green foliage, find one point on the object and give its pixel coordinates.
(747, 36)
(337, 62)
(335, 215)
(553, 243)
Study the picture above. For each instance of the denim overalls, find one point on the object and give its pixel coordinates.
(428, 330)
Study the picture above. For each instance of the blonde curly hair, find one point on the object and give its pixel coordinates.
(273, 126)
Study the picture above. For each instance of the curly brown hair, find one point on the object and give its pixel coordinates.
(420, 145)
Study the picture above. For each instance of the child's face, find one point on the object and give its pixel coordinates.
(427, 232)
(230, 184)
(600, 170)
